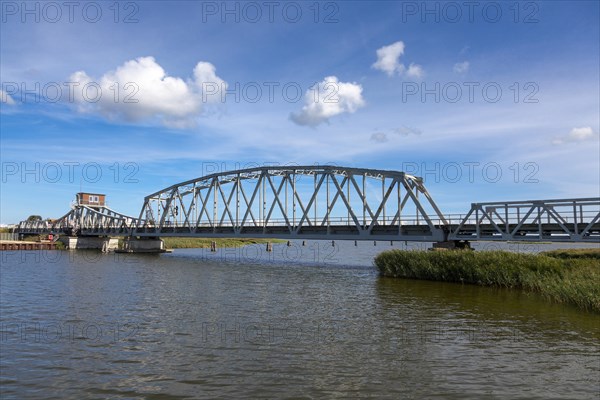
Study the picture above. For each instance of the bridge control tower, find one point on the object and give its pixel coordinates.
(90, 199)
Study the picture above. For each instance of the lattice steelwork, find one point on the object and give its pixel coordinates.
(571, 220)
(327, 202)
(84, 220)
(294, 202)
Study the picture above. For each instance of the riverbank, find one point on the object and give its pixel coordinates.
(28, 245)
(180, 242)
(201, 243)
(564, 276)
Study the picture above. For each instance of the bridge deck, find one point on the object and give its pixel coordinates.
(471, 232)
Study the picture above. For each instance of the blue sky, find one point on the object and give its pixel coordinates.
(436, 89)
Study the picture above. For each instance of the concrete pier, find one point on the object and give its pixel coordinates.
(143, 245)
(105, 244)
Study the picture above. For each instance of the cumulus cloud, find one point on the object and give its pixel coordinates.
(141, 89)
(5, 98)
(328, 99)
(461, 68)
(388, 61)
(388, 58)
(577, 135)
(415, 71)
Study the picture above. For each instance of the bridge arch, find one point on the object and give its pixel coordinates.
(296, 201)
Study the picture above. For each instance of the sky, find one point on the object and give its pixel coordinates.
(487, 100)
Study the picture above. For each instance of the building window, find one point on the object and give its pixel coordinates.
(94, 199)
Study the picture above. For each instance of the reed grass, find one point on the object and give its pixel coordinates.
(565, 280)
(573, 253)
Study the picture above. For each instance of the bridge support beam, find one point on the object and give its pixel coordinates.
(143, 245)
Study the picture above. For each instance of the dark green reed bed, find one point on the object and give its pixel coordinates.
(565, 276)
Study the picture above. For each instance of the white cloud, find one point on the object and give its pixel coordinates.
(580, 134)
(576, 135)
(388, 61)
(6, 99)
(140, 89)
(388, 58)
(461, 68)
(415, 71)
(328, 99)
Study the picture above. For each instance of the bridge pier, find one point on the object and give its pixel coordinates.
(143, 245)
(103, 243)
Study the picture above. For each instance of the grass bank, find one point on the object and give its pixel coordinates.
(561, 279)
(200, 243)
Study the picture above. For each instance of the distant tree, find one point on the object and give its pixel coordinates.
(34, 218)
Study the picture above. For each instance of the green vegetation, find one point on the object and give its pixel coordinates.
(565, 280)
(32, 238)
(193, 243)
(573, 253)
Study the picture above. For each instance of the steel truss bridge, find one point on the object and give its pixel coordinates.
(327, 202)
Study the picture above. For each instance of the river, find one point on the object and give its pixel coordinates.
(300, 322)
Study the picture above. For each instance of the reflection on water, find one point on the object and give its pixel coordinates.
(312, 321)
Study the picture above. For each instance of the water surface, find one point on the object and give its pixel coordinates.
(300, 322)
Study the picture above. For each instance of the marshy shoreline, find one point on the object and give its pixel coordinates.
(563, 276)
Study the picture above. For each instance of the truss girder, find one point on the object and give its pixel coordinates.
(570, 220)
(306, 200)
(84, 220)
